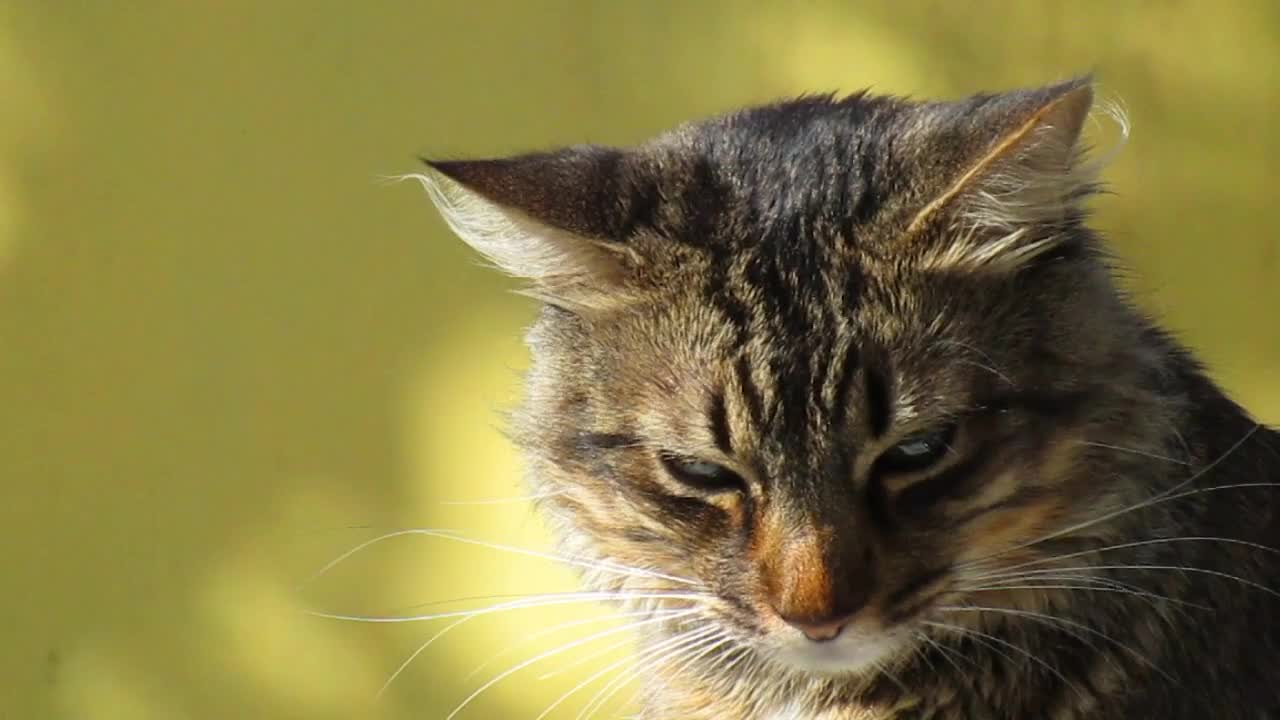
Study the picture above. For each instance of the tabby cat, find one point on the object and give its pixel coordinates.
(843, 392)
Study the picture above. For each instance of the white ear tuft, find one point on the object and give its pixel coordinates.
(564, 268)
(1015, 201)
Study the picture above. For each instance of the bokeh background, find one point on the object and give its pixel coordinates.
(230, 352)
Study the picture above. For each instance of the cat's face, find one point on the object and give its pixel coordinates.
(826, 460)
(815, 369)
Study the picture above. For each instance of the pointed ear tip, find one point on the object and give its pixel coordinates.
(1071, 102)
(465, 173)
(1078, 91)
(448, 168)
(1085, 78)
(1083, 90)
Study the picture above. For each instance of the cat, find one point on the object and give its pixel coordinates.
(843, 392)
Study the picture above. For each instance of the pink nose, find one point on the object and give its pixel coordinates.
(822, 629)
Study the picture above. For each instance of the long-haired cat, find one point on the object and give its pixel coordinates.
(847, 388)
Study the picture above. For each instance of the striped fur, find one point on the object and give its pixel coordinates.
(790, 292)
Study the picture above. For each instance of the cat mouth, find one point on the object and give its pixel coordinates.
(853, 652)
(867, 644)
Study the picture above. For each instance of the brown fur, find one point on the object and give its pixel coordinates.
(793, 291)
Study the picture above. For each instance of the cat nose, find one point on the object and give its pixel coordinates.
(820, 629)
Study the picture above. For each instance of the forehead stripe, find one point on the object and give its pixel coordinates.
(844, 372)
(718, 418)
(747, 389)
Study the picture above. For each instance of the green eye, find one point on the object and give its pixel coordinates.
(918, 451)
(702, 475)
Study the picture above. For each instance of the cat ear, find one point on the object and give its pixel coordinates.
(1014, 177)
(550, 218)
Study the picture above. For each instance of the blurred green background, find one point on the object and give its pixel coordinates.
(229, 351)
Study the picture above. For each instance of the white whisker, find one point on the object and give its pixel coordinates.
(504, 500)
(610, 648)
(742, 652)
(1053, 619)
(988, 368)
(565, 626)
(1178, 568)
(1092, 582)
(421, 649)
(717, 642)
(555, 651)
(608, 668)
(658, 654)
(1011, 646)
(883, 669)
(449, 628)
(1133, 451)
(1151, 597)
(943, 650)
(449, 535)
(1139, 543)
(1159, 497)
(556, 599)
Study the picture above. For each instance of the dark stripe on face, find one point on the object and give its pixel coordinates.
(855, 283)
(701, 199)
(718, 294)
(718, 417)
(1023, 496)
(908, 591)
(846, 370)
(870, 199)
(879, 399)
(793, 400)
(747, 388)
(823, 359)
(641, 536)
(736, 312)
(952, 483)
(680, 510)
(778, 296)
(595, 442)
(642, 213)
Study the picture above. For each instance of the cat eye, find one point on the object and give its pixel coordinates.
(918, 451)
(702, 475)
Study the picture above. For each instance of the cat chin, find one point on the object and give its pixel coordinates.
(845, 655)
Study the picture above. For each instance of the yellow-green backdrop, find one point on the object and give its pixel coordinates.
(229, 351)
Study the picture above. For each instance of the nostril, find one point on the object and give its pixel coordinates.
(820, 630)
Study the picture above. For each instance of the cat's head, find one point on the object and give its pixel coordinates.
(822, 363)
